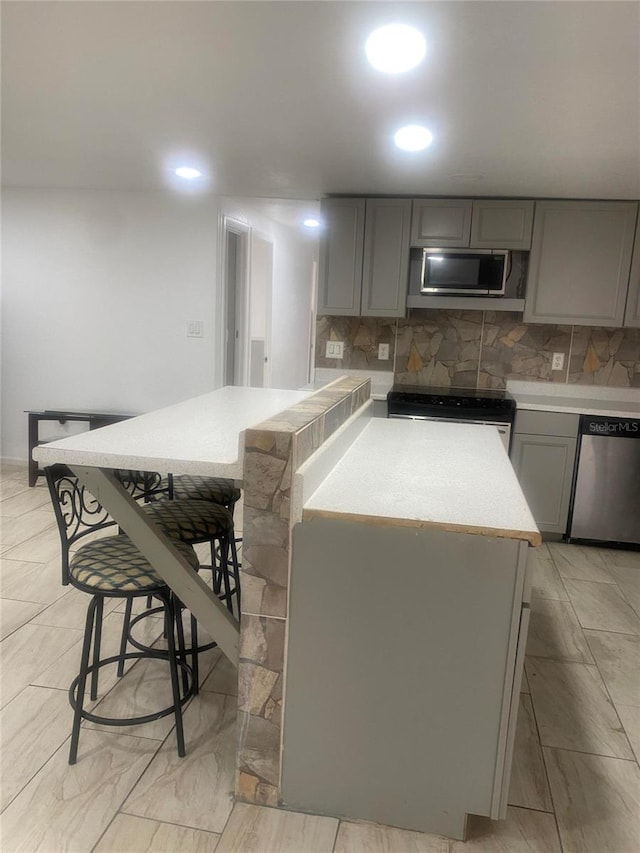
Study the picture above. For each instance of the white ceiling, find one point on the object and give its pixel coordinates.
(275, 99)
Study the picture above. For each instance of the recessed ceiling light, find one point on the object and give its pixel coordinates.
(188, 172)
(311, 223)
(395, 48)
(413, 137)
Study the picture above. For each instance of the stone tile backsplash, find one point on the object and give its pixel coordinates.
(481, 349)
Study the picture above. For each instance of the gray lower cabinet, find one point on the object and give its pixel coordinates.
(580, 262)
(543, 454)
(404, 664)
(364, 257)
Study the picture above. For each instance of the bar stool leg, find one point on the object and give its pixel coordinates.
(97, 642)
(195, 666)
(236, 573)
(170, 620)
(82, 679)
(126, 621)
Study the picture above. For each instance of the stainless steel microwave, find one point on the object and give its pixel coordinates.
(473, 272)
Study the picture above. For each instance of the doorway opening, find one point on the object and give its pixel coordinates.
(236, 265)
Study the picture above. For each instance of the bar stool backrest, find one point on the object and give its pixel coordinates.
(145, 485)
(77, 512)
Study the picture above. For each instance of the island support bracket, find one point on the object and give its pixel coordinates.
(207, 608)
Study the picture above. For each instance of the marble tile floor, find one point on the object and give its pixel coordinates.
(575, 785)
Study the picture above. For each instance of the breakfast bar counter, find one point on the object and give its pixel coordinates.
(204, 436)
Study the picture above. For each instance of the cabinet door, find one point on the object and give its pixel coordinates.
(386, 257)
(580, 262)
(441, 222)
(498, 224)
(632, 312)
(341, 247)
(544, 466)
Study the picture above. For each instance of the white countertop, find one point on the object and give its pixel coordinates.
(401, 472)
(576, 399)
(202, 435)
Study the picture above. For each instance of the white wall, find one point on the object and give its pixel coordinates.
(97, 287)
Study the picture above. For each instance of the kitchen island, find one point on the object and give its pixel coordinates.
(409, 596)
(385, 592)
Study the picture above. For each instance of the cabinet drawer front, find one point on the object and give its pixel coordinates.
(547, 423)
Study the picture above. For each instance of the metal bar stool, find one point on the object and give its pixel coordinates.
(218, 490)
(191, 521)
(112, 567)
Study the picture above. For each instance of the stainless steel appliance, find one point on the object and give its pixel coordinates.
(606, 488)
(493, 408)
(479, 272)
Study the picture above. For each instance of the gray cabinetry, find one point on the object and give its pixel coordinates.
(441, 222)
(480, 224)
(632, 311)
(457, 630)
(543, 454)
(386, 257)
(501, 224)
(364, 257)
(580, 262)
(340, 275)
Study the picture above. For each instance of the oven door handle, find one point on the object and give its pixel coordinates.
(500, 425)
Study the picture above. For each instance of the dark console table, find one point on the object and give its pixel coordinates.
(94, 419)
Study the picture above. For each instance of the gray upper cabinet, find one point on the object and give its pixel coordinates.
(441, 222)
(481, 224)
(632, 312)
(580, 262)
(386, 257)
(498, 224)
(364, 257)
(341, 247)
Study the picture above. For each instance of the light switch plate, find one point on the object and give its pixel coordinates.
(195, 328)
(335, 349)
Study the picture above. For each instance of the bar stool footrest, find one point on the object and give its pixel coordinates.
(130, 721)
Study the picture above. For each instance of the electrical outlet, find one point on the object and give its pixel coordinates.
(335, 349)
(195, 328)
(383, 352)
(557, 362)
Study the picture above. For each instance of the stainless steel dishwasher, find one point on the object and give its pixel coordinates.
(606, 488)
